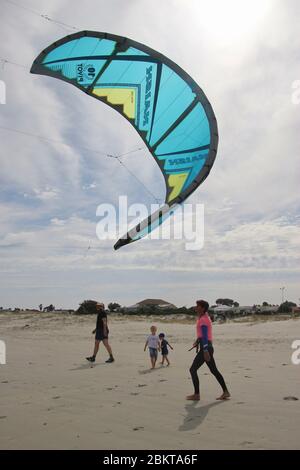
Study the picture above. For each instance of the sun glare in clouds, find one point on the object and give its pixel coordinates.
(229, 21)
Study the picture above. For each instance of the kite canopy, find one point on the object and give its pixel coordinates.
(162, 102)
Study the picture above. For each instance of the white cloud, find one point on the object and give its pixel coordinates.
(47, 193)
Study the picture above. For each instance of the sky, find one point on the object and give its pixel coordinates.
(245, 56)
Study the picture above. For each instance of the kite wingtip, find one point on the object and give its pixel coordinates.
(120, 243)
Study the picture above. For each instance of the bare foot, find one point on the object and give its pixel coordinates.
(224, 396)
(195, 397)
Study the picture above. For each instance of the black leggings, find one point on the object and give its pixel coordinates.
(198, 362)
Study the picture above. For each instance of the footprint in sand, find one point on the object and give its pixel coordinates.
(163, 380)
(134, 394)
(116, 404)
(291, 398)
(247, 377)
(56, 398)
(3, 417)
(4, 382)
(138, 428)
(142, 385)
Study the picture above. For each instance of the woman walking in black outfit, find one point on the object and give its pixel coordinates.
(206, 352)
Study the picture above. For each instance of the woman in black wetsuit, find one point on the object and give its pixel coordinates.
(206, 352)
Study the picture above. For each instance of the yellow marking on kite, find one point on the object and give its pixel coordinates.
(176, 182)
(119, 96)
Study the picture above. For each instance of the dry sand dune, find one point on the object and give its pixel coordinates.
(52, 399)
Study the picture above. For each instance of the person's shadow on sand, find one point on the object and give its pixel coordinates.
(86, 366)
(196, 415)
(149, 371)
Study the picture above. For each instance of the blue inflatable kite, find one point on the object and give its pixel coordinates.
(162, 102)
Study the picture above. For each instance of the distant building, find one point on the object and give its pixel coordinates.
(295, 309)
(268, 308)
(221, 308)
(244, 309)
(158, 303)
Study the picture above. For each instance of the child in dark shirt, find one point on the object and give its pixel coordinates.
(164, 348)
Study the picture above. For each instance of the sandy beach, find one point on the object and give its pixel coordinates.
(52, 399)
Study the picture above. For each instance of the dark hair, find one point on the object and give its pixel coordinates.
(204, 304)
(161, 335)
